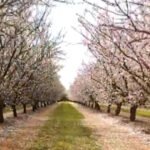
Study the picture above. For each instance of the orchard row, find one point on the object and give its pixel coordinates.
(29, 55)
(117, 34)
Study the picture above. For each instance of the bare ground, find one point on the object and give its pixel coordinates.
(113, 134)
(19, 133)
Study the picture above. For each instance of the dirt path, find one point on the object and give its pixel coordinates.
(112, 134)
(17, 134)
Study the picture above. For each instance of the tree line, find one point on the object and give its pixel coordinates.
(29, 55)
(117, 34)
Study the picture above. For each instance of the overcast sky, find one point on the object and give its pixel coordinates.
(64, 18)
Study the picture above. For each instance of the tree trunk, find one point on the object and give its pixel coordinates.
(33, 107)
(118, 109)
(44, 104)
(97, 106)
(41, 104)
(14, 110)
(109, 108)
(37, 105)
(91, 105)
(1, 112)
(133, 112)
(24, 109)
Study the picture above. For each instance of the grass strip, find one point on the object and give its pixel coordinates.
(64, 131)
(142, 112)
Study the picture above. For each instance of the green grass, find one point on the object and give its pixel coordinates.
(64, 131)
(9, 109)
(142, 112)
(18, 107)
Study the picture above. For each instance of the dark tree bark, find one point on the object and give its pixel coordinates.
(37, 105)
(41, 104)
(85, 103)
(14, 110)
(92, 105)
(133, 109)
(109, 108)
(33, 107)
(1, 111)
(44, 104)
(97, 106)
(24, 108)
(118, 109)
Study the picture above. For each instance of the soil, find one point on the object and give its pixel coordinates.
(18, 133)
(112, 133)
